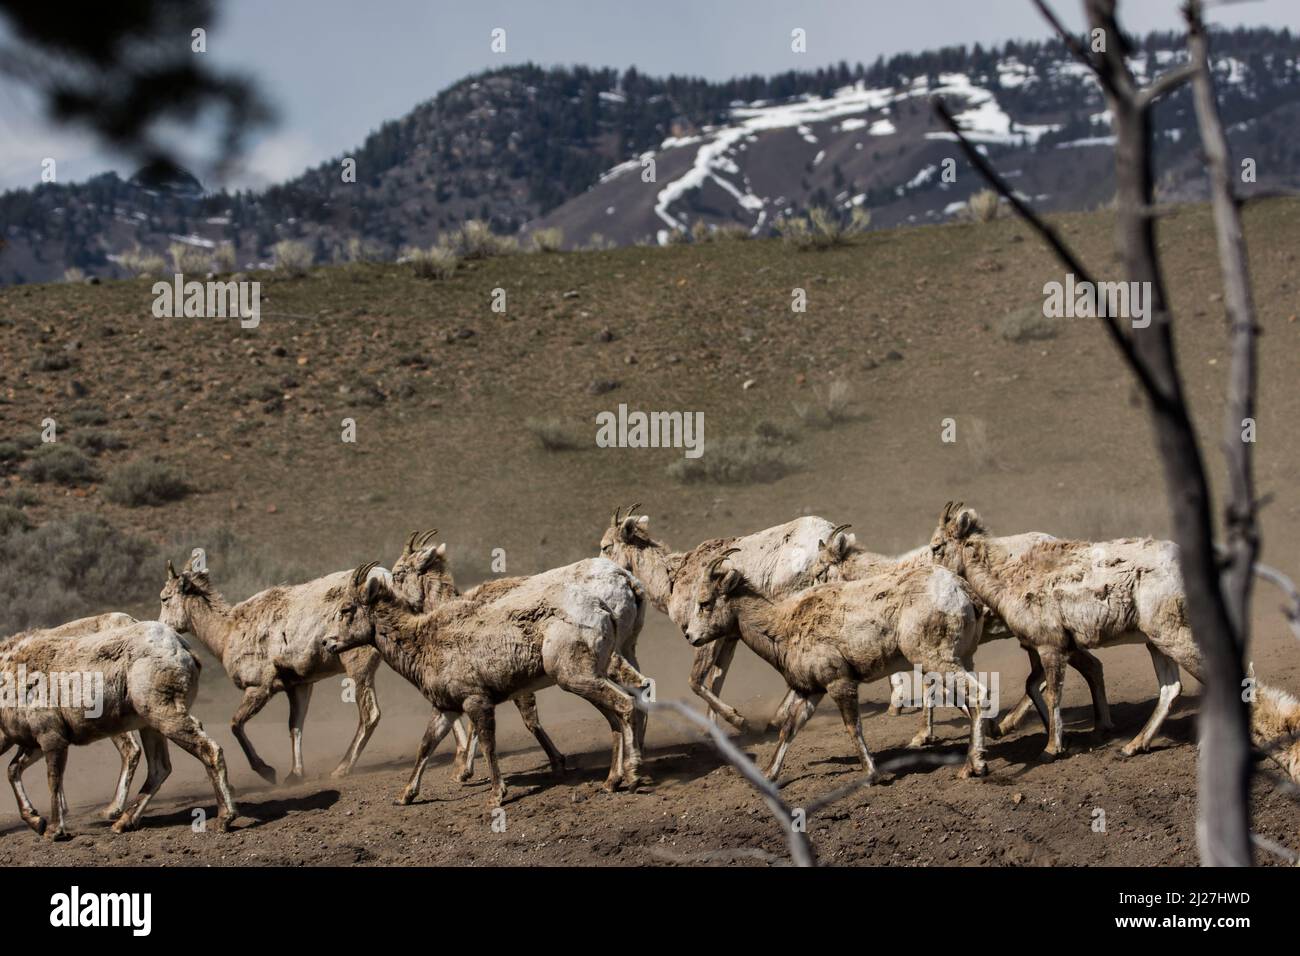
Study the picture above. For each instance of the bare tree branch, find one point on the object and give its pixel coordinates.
(1071, 42)
(801, 849)
(1292, 612)
(1166, 83)
(1048, 235)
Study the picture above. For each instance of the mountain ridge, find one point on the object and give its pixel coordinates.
(525, 147)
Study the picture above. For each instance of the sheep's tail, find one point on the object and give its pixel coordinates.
(1275, 727)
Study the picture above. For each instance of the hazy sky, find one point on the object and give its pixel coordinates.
(336, 69)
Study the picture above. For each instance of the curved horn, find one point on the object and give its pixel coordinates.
(361, 573)
(634, 506)
(427, 536)
(613, 521)
(713, 565)
(947, 510)
(410, 542)
(837, 529)
(171, 571)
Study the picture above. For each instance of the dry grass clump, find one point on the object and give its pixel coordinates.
(292, 258)
(822, 229)
(436, 262)
(736, 460)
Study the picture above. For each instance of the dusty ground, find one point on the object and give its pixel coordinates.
(1050, 438)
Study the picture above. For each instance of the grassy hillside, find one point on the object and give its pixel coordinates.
(243, 427)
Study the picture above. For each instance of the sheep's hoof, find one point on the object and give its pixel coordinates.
(461, 773)
(124, 824)
(559, 767)
(923, 740)
(972, 771)
(342, 770)
(405, 798)
(111, 813)
(37, 823)
(636, 781)
(267, 773)
(224, 822)
(294, 777)
(1132, 748)
(58, 836)
(498, 798)
(1047, 756)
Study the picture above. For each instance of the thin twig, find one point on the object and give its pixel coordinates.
(1053, 239)
(801, 850)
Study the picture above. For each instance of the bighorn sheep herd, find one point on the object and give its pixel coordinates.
(826, 614)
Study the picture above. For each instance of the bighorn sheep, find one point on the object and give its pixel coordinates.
(831, 637)
(271, 643)
(128, 745)
(1057, 596)
(422, 578)
(775, 561)
(841, 558)
(150, 678)
(468, 654)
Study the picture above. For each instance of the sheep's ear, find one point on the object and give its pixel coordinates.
(850, 540)
(643, 522)
(730, 581)
(374, 590)
(171, 571)
(441, 550)
(627, 529)
(965, 523)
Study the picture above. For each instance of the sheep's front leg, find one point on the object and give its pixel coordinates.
(702, 680)
(56, 760)
(299, 701)
(801, 710)
(255, 699)
(462, 767)
(360, 664)
(23, 759)
(845, 695)
(439, 726)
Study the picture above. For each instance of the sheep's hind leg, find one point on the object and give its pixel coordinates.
(1170, 688)
(1033, 697)
(158, 768)
(439, 726)
(128, 745)
(974, 766)
(23, 759)
(1054, 674)
(187, 733)
(462, 768)
(615, 705)
(482, 713)
(527, 707)
(845, 695)
(1090, 667)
